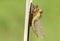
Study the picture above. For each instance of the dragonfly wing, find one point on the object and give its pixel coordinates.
(38, 25)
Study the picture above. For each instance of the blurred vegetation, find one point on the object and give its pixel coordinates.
(12, 15)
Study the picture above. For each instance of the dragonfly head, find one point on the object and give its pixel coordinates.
(34, 9)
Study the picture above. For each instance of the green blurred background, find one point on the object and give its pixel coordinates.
(12, 16)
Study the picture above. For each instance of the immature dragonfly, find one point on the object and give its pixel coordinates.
(35, 23)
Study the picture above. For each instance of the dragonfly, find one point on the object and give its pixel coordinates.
(36, 21)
